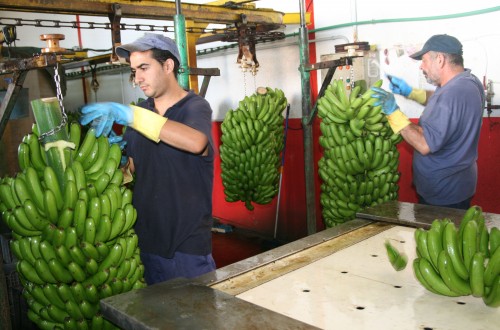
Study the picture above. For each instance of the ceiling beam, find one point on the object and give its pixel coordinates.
(152, 9)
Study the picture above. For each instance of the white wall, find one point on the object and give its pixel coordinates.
(385, 23)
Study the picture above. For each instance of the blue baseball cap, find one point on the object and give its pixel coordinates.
(442, 43)
(147, 42)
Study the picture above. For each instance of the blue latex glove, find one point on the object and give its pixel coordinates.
(385, 99)
(113, 138)
(104, 114)
(399, 86)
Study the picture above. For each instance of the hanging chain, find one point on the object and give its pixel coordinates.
(245, 82)
(94, 82)
(64, 120)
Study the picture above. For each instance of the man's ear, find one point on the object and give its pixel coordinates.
(169, 65)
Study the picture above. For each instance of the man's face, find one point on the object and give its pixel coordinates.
(430, 67)
(150, 75)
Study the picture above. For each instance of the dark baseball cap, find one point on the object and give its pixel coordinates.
(147, 42)
(442, 43)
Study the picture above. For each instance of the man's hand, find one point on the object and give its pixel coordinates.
(399, 86)
(385, 99)
(397, 120)
(103, 115)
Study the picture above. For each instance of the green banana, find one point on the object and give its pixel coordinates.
(397, 260)
(450, 244)
(476, 279)
(454, 282)
(469, 242)
(492, 299)
(53, 184)
(492, 269)
(433, 279)
(434, 244)
(494, 240)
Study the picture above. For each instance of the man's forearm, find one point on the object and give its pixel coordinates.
(414, 136)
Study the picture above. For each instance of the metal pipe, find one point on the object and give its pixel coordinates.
(180, 39)
(307, 127)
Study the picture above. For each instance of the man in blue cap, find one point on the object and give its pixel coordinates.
(170, 150)
(446, 139)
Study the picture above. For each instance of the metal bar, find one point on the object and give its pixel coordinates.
(162, 10)
(204, 72)
(10, 99)
(332, 63)
(204, 86)
(418, 215)
(307, 127)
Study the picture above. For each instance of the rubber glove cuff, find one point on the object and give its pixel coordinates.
(398, 120)
(147, 122)
(418, 95)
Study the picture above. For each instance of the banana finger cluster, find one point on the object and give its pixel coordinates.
(252, 142)
(460, 261)
(72, 237)
(360, 158)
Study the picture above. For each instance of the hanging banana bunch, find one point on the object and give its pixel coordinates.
(252, 142)
(360, 160)
(73, 237)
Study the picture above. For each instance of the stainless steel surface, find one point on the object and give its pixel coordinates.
(418, 215)
(197, 304)
(224, 299)
(181, 304)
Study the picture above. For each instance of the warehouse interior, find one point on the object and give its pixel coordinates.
(288, 261)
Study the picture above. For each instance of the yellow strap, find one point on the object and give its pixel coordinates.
(148, 123)
(398, 120)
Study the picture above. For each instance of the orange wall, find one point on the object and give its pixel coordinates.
(292, 211)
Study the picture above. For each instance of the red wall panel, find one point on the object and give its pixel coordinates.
(292, 211)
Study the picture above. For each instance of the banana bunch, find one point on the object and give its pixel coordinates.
(73, 238)
(460, 261)
(252, 142)
(360, 159)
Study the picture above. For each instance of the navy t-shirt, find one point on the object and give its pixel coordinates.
(173, 188)
(451, 124)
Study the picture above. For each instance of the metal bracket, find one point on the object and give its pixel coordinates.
(207, 74)
(115, 18)
(331, 66)
(19, 68)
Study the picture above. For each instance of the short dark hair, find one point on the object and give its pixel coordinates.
(163, 55)
(455, 59)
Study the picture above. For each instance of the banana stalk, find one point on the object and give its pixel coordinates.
(54, 133)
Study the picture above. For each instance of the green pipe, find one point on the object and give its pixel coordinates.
(180, 39)
(380, 21)
(307, 127)
(410, 19)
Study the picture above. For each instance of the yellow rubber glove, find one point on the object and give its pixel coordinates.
(418, 95)
(398, 120)
(148, 123)
(103, 115)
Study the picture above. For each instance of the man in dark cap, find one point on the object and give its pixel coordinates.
(170, 150)
(446, 139)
